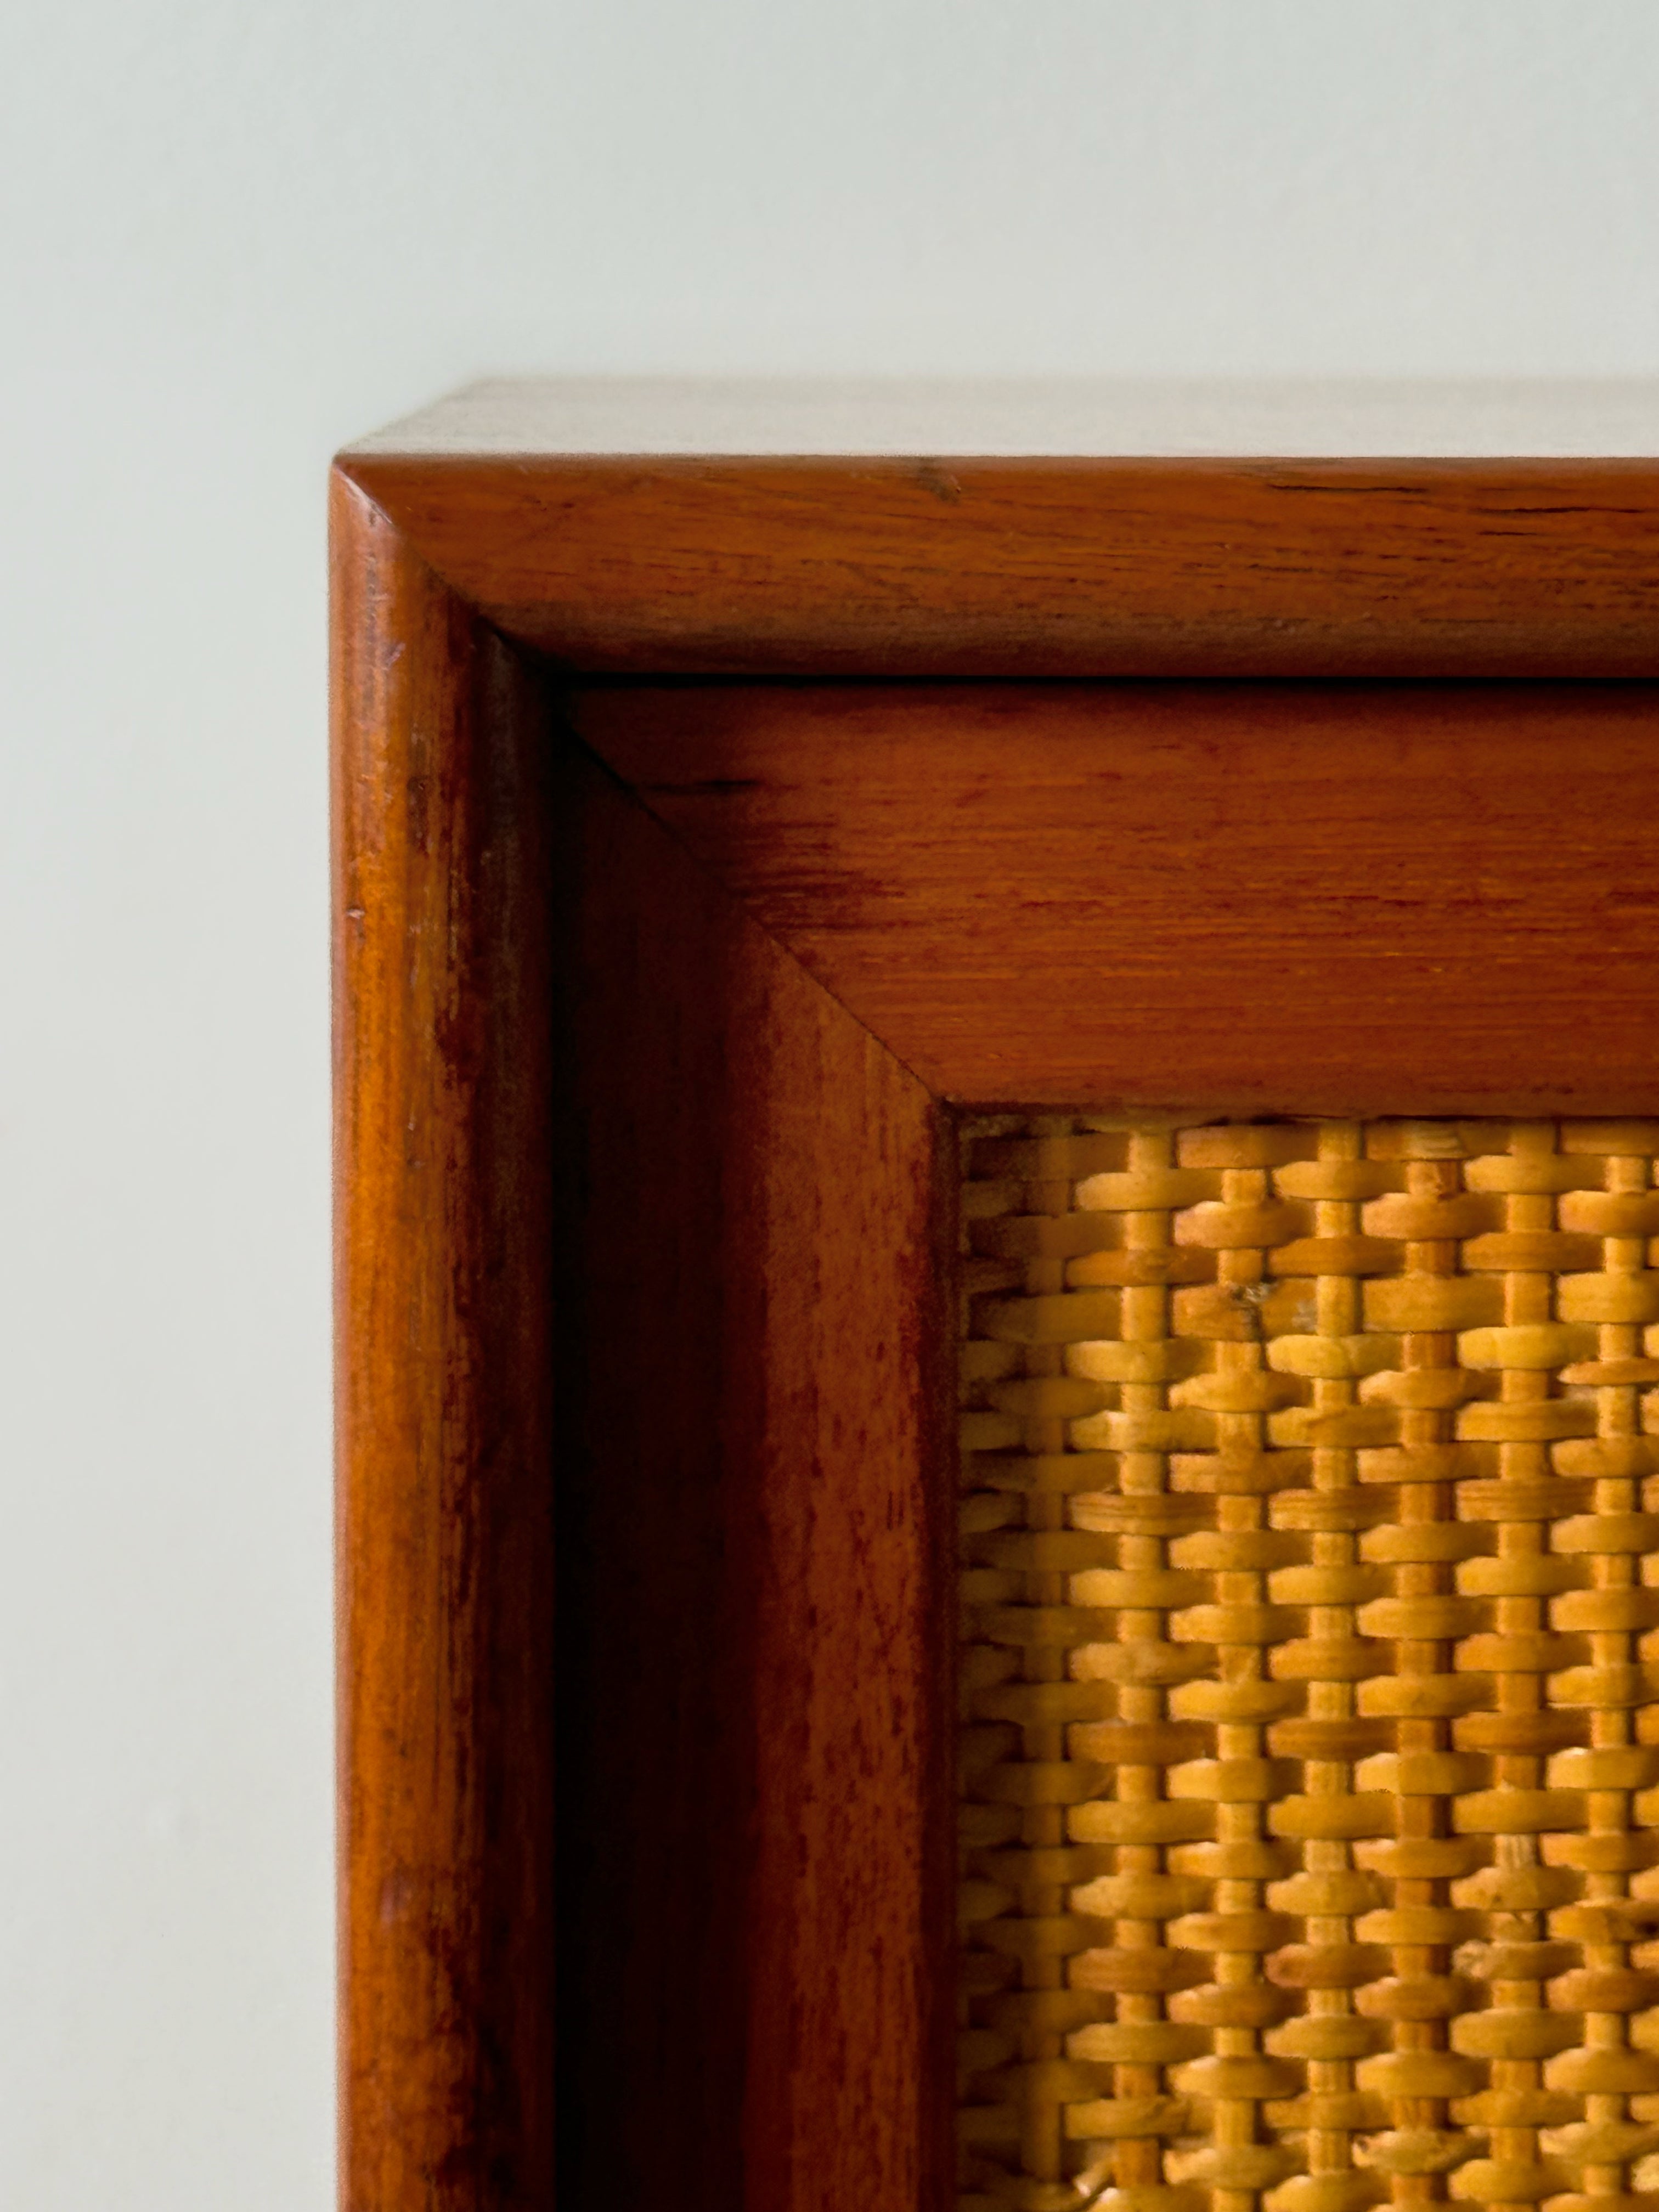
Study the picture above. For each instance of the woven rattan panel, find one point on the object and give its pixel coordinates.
(1311, 1709)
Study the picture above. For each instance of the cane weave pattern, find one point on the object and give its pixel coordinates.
(1310, 1678)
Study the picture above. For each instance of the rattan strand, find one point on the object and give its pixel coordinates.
(1310, 1674)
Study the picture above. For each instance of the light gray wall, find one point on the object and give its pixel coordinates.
(238, 232)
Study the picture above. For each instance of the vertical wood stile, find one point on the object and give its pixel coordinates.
(443, 1006)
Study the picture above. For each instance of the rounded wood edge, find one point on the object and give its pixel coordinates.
(444, 1505)
(1092, 566)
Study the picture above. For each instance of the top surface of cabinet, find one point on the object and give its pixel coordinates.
(1012, 417)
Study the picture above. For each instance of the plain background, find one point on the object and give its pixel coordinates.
(236, 233)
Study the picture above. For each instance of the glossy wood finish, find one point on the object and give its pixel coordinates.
(971, 566)
(575, 1081)
(634, 1210)
(1245, 898)
(755, 1514)
(444, 1360)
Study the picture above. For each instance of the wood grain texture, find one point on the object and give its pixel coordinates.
(442, 995)
(1299, 899)
(936, 566)
(575, 1079)
(584, 1070)
(755, 1560)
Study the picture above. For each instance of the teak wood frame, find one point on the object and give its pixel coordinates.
(654, 1003)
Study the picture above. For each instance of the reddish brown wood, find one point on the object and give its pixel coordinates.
(1340, 900)
(978, 567)
(576, 1078)
(755, 1822)
(742, 1409)
(442, 993)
